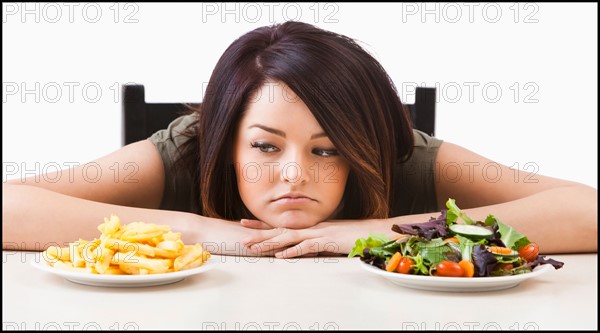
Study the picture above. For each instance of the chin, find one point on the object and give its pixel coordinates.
(292, 220)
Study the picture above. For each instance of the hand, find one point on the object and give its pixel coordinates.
(255, 224)
(225, 237)
(331, 237)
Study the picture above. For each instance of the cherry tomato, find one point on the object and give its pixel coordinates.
(405, 265)
(450, 268)
(529, 252)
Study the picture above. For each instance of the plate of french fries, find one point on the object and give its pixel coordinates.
(137, 254)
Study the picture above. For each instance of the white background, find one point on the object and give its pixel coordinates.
(541, 58)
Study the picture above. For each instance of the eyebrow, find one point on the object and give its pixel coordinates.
(282, 133)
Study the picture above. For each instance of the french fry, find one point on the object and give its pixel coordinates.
(76, 257)
(196, 263)
(129, 270)
(166, 253)
(110, 226)
(113, 270)
(89, 251)
(125, 246)
(130, 259)
(169, 249)
(169, 245)
(172, 236)
(140, 232)
(190, 254)
(104, 260)
(156, 240)
(55, 253)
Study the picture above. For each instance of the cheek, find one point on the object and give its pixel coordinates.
(334, 183)
(252, 180)
(252, 174)
(244, 173)
(338, 176)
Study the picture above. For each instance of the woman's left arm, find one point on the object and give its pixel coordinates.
(559, 215)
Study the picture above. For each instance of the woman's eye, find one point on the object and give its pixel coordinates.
(269, 148)
(326, 152)
(264, 147)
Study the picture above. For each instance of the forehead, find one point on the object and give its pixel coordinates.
(274, 103)
(273, 95)
(273, 92)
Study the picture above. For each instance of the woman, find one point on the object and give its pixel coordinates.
(301, 146)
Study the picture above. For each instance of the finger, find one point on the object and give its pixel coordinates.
(250, 253)
(311, 248)
(255, 224)
(259, 236)
(308, 247)
(286, 237)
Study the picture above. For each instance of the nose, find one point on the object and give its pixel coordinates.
(292, 171)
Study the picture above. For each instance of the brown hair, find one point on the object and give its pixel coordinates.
(346, 89)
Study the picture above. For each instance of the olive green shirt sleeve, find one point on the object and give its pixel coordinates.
(177, 193)
(415, 179)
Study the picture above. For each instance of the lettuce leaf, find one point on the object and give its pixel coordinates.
(466, 247)
(496, 239)
(510, 237)
(378, 256)
(454, 213)
(419, 267)
(374, 240)
(483, 260)
(540, 260)
(434, 228)
(385, 250)
(435, 251)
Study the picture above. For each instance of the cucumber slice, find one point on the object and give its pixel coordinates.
(471, 231)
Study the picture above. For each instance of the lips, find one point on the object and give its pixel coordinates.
(294, 196)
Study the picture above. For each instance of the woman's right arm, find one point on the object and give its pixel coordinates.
(64, 206)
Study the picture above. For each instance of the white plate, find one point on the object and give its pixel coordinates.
(101, 280)
(456, 284)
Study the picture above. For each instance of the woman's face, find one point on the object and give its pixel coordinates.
(289, 173)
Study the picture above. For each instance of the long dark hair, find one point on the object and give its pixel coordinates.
(346, 89)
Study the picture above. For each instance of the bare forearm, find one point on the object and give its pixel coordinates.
(560, 220)
(35, 218)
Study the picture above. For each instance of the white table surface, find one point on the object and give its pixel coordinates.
(310, 293)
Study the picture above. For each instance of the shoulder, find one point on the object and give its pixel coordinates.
(175, 131)
(422, 140)
(168, 141)
(425, 149)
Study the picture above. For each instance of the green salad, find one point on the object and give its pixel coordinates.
(444, 247)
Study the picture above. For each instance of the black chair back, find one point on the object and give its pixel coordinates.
(141, 119)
